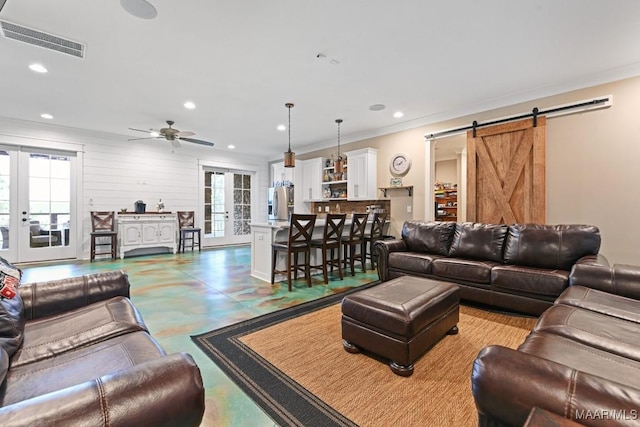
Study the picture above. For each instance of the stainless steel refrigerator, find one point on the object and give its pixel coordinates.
(280, 203)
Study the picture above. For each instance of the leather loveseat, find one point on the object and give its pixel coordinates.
(77, 352)
(521, 267)
(581, 361)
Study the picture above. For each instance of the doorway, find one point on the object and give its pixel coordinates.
(37, 204)
(227, 206)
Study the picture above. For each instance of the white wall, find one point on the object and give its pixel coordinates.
(116, 172)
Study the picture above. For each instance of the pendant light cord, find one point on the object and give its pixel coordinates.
(289, 106)
(338, 121)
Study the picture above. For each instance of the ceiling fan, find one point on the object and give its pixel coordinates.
(172, 135)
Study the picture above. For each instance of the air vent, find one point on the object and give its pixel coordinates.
(38, 38)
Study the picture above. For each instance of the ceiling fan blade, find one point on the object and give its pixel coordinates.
(138, 139)
(197, 141)
(185, 133)
(140, 130)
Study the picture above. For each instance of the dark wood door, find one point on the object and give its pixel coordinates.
(506, 173)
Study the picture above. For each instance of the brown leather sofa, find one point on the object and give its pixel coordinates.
(521, 267)
(581, 361)
(77, 352)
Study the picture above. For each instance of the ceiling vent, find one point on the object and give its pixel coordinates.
(38, 38)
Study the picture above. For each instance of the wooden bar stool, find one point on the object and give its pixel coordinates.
(103, 227)
(300, 231)
(355, 238)
(375, 234)
(187, 230)
(330, 244)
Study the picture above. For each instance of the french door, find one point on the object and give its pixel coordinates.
(227, 206)
(37, 204)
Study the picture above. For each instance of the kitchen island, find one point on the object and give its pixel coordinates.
(263, 234)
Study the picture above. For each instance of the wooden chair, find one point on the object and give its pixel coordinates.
(355, 238)
(330, 244)
(103, 233)
(376, 233)
(187, 230)
(300, 231)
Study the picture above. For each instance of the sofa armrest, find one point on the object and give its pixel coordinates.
(167, 391)
(598, 259)
(382, 249)
(507, 384)
(620, 279)
(42, 299)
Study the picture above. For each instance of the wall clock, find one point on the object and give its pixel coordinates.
(400, 164)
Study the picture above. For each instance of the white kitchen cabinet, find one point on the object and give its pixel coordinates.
(362, 178)
(147, 231)
(279, 173)
(312, 179)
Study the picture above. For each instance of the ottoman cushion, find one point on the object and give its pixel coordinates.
(403, 306)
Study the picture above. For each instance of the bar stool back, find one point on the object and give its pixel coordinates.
(187, 230)
(103, 233)
(355, 238)
(300, 231)
(330, 245)
(376, 233)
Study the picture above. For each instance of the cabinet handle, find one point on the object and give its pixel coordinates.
(309, 192)
(356, 190)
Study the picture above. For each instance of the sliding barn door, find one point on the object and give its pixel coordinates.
(506, 173)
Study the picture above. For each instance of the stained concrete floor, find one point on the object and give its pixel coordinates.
(187, 294)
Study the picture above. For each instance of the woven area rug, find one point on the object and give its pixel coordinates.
(292, 364)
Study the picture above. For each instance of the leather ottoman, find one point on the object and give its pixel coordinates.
(400, 320)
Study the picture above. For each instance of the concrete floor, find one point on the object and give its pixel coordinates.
(187, 294)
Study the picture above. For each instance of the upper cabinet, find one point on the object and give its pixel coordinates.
(279, 173)
(311, 179)
(362, 178)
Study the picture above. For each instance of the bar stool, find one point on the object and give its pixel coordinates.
(329, 244)
(355, 239)
(103, 225)
(300, 231)
(376, 233)
(187, 230)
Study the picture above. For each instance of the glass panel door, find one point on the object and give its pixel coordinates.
(46, 206)
(227, 207)
(5, 198)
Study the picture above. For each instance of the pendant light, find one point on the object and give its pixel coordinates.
(289, 156)
(339, 162)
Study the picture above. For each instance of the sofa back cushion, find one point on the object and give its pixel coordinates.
(11, 308)
(428, 237)
(478, 241)
(555, 247)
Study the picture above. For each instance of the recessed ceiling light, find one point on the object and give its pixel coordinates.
(377, 107)
(231, 146)
(282, 128)
(46, 116)
(189, 105)
(38, 68)
(398, 114)
(139, 8)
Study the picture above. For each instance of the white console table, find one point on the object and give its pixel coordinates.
(146, 231)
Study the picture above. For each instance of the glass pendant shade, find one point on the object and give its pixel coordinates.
(289, 156)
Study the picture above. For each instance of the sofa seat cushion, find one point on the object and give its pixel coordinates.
(601, 302)
(54, 335)
(583, 358)
(412, 261)
(464, 269)
(77, 366)
(597, 330)
(538, 281)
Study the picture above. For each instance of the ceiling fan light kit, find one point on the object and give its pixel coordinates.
(289, 156)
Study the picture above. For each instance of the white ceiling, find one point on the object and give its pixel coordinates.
(241, 61)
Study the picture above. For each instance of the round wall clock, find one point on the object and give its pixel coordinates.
(400, 164)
